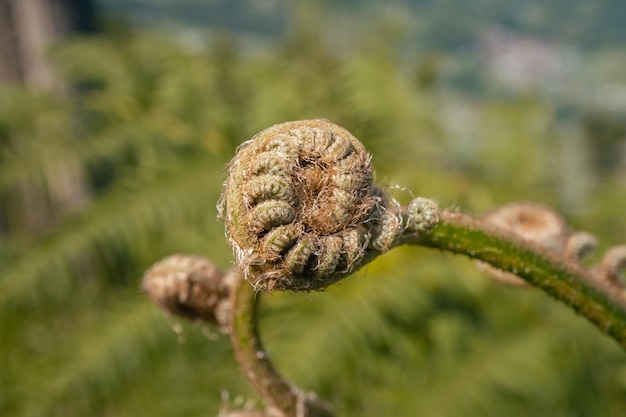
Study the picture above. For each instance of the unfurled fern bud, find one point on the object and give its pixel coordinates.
(611, 267)
(579, 246)
(300, 207)
(532, 222)
(191, 287)
(422, 214)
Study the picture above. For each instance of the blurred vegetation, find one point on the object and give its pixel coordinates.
(125, 167)
(586, 24)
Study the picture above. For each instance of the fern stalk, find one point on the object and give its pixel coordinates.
(568, 282)
(302, 213)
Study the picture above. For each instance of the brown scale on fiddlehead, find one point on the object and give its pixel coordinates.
(300, 207)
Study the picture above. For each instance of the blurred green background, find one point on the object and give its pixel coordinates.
(474, 104)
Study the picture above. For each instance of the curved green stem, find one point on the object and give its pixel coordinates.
(456, 233)
(279, 394)
(566, 281)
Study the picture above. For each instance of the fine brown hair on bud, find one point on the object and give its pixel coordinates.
(300, 208)
(533, 222)
(191, 287)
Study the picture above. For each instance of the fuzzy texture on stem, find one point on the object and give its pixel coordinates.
(549, 270)
(539, 225)
(532, 222)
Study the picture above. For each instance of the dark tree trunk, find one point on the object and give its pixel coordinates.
(28, 28)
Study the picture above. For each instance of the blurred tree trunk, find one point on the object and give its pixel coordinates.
(28, 28)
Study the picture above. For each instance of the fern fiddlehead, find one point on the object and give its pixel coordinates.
(300, 207)
(534, 223)
(302, 212)
(191, 287)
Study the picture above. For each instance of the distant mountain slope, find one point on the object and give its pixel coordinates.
(441, 23)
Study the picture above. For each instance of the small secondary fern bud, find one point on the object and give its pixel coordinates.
(532, 222)
(423, 214)
(612, 264)
(191, 287)
(300, 208)
(579, 246)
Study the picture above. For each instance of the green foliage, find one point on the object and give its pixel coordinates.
(126, 166)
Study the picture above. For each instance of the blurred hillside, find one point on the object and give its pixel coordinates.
(124, 165)
(587, 25)
(569, 51)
